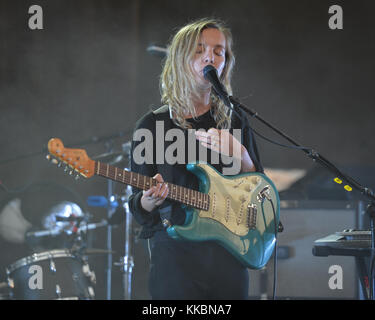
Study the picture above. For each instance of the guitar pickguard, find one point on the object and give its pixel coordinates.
(230, 200)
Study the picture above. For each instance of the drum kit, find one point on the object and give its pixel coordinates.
(62, 272)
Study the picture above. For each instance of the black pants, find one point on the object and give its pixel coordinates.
(184, 270)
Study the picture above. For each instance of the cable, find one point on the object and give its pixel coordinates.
(275, 255)
(275, 252)
(280, 144)
(149, 250)
(310, 150)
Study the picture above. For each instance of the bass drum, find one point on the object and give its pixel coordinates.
(50, 275)
(5, 292)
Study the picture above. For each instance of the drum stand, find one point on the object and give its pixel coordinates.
(110, 211)
(109, 243)
(127, 261)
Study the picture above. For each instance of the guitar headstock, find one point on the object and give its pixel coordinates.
(76, 159)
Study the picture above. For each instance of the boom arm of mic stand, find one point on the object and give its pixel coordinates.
(324, 162)
(310, 152)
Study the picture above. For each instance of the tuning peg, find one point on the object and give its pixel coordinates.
(77, 177)
(51, 159)
(59, 164)
(66, 168)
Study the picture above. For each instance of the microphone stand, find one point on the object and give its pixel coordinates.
(127, 261)
(315, 156)
(110, 211)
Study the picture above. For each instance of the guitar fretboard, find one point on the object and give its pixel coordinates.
(181, 194)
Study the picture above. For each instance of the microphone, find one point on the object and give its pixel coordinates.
(210, 74)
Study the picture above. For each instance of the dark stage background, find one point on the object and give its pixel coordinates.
(87, 74)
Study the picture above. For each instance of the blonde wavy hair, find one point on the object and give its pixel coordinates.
(177, 84)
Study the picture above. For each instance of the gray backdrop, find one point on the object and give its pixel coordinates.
(87, 74)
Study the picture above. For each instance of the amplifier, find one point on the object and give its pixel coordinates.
(300, 274)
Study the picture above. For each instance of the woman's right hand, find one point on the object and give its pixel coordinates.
(156, 195)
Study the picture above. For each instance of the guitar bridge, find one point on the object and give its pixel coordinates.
(251, 216)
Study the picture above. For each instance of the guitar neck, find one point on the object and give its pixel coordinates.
(180, 194)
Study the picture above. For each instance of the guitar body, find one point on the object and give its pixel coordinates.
(238, 218)
(239, 212)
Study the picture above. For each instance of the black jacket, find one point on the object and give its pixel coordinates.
(177, 173)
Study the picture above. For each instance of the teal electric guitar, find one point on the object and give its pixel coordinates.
(240, 212)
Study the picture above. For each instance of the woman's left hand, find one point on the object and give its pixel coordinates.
(220, 141)
(223, 142)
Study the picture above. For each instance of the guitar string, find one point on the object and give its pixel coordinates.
(110, 172)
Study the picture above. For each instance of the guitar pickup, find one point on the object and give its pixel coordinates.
(252, 216)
